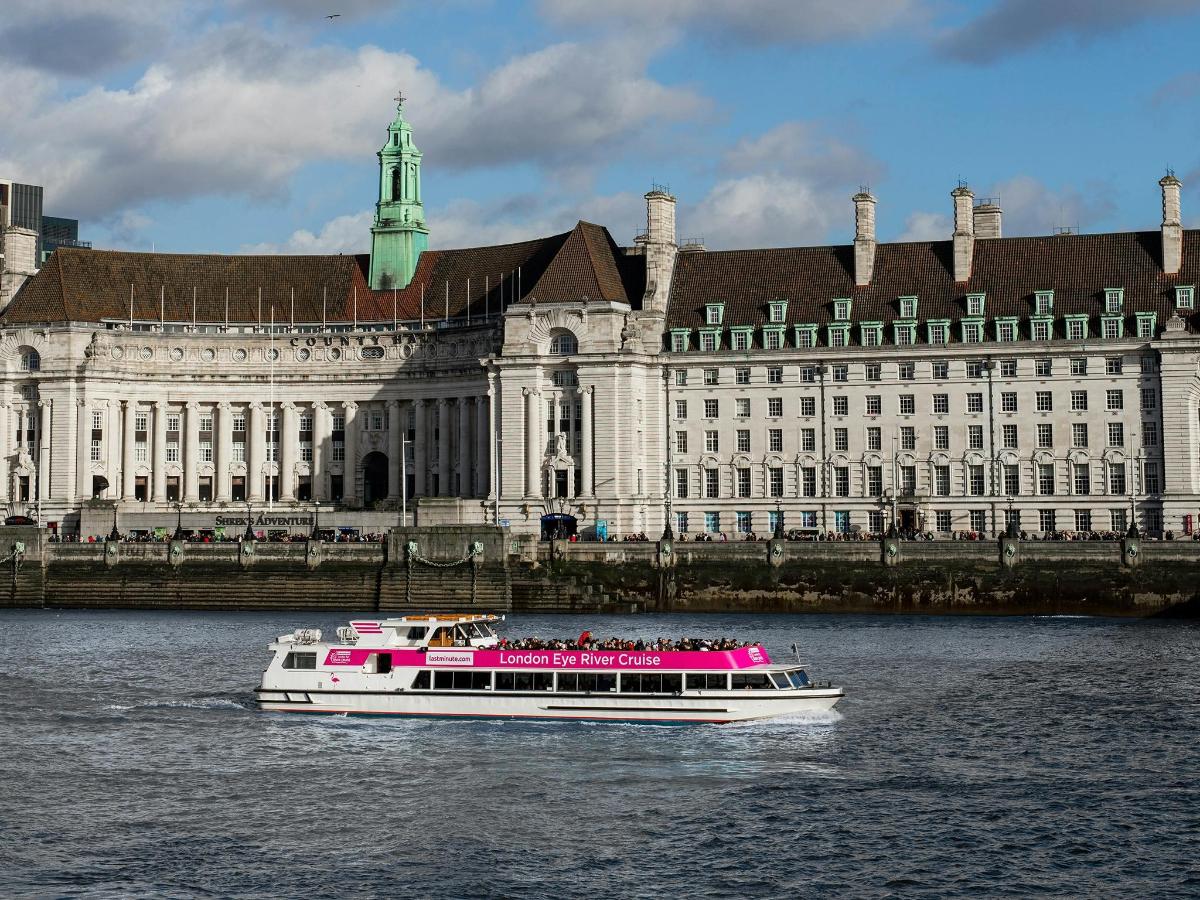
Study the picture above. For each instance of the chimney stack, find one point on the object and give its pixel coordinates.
(864, 237)
(660, 246)
(18, 260)
(964, 232)
(1172, 225)
(987, 219)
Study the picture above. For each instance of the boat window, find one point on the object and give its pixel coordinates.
(799, 677)
(443, 681)
(751, 681)
(505, 681)
(416, 634)
(441, 638)
(606, 682)
(781, 680)
(641, 683)
(708, 682)
(524, 681)
(568, 681)
(589, 682)
(421, 682)
(543, 681)
(672, 682)
(472, 681)
(300, 661)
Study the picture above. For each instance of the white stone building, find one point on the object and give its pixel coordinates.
(941, 383)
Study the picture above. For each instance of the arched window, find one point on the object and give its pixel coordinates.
(563, 344)
(30, 361)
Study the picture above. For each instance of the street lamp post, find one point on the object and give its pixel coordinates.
(779, 518)
(114, 535)
(404, 442)
(1133, 529)
(248, 534)
(667, 534)
(316, 529)
(178, 521)
(1011, 528)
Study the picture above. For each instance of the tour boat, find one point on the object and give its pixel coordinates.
(456, 666)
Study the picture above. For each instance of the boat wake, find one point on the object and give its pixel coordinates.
(203, 702)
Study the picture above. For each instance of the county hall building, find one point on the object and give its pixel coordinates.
(945, 385)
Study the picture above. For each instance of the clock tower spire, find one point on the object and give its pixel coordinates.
(399, 233)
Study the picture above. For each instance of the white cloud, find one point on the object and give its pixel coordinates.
(239, 111)
(342, 234)
(744, 21)
(926, 226)
(791, 186)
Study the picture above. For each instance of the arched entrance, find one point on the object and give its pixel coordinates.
(375, 477)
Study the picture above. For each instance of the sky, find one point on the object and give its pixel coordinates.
(251, 126)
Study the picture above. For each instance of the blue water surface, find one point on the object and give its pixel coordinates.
(971, 757)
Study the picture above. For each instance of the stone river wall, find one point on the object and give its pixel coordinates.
(447, 568)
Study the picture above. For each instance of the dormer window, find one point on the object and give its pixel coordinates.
(1114, 300)
(975, 304)
(714, 313)
(908, 307)
(777, 311)
(1043, 303)
(841, 310)
(1185, 296)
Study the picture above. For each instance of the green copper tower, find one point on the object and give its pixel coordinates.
(399, 233)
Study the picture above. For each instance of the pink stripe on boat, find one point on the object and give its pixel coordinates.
(742, 658)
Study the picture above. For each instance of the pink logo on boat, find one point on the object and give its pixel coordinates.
(367, 627)
(742, 658)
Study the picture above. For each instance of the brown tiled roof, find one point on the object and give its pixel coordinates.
(1007, 270)
(588, 265)
(94, 285)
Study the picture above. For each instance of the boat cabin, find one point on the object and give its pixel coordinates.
(414, 632)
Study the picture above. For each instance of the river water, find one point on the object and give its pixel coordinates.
(971, 757)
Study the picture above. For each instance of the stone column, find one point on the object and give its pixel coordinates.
(420, 448)
(585, 436)
(191, 452)
(443, 420)
(288, 450)
(223, 439)
(350, 466)
(83, 450)
(160, 451)
(127, 459)
(533, 442)
(464, 448)
(256, 452)
(395, 448)
(43, 436)
(5, 448)
(482, 438)
(320, 435)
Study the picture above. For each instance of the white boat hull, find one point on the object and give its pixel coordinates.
(702, 707)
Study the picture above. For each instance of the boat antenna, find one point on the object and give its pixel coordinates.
(796, 650)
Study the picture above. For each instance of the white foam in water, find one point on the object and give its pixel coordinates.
(198, 703)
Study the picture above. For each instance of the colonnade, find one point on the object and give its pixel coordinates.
(200, 448)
